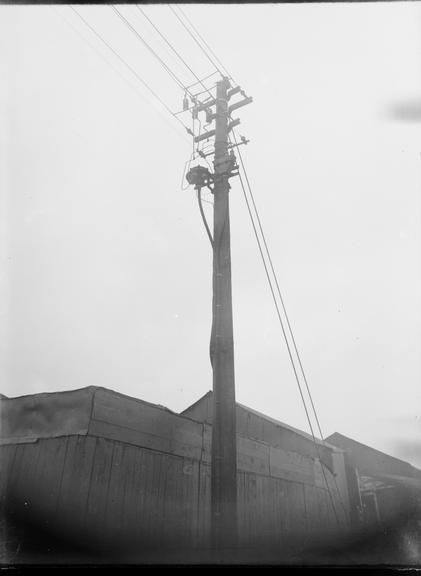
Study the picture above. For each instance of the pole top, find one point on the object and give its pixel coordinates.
(225, 80)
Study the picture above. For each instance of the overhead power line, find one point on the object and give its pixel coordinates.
(195, 40)
(279, 292)
(203, 79)
(280, 319)
(199, 81)
(280, 295)
(116, 70)
(151, 50)
(206, 44)
(132, 70)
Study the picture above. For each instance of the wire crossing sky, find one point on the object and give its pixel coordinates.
(106, 268)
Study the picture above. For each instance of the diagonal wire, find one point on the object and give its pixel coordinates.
(285, 336)
(116, 70)
(195, 39)
(203, 79)
(283, 306)
(151, 50)
(207, 46)
(199, 81)
(279, 290)
(132, 70)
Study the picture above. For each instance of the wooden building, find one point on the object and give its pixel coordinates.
(389, 488)
(95, 472)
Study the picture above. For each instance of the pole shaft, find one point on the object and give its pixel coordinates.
(224, 450)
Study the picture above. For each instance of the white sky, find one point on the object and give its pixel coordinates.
(105, 264)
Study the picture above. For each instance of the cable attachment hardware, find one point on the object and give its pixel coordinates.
(228, 166)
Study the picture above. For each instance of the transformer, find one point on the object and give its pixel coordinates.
(199, 176)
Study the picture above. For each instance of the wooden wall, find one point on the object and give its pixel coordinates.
(256, 426)
(141, 477)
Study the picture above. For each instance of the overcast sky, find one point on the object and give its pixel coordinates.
(105, 264)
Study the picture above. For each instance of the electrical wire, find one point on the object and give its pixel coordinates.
(287, 343)
(132, 70)
(283, 306)
(199, 81)
(208, 90)
(186, 167)
(208, 232)
(116, 70)
(200, 130)
(226, 73)
(151, 50)
(195, 39)
(283, 331)
(203, 79)
(279, 291)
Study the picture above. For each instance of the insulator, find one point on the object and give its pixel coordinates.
(185, 102)
(195, 113)
(208, 115)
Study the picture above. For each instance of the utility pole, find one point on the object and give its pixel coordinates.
(224, 436)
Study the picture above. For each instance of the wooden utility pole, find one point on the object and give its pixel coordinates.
(224, 445)
(224, 437)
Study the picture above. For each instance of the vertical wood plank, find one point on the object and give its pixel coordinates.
(301, 512)
(131, 494)
(140, 482)
(254, 509)
(7, 456)
(147, 501)
(21, 492)
(114, 507)
(48, 475)
(165, 462)
(321, 511)
(98, 494)
(170, 493)
(201, 503)
(23, 487)
(194, 502)
(206, 485)
(309, 503)
(306, 523)
(155, 502)
(240, 508)
(75, 483)
(74, 488)
(278, 512)
(184, 500)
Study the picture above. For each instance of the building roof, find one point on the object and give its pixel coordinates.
(373, 462)
(50, 414)
(101, 413)
(267, 418)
